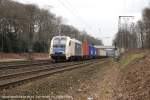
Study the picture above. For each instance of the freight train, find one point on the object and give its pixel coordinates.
(66, 48)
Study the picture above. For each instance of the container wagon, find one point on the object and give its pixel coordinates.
(102, 53)
(96, 53)
(85, 50)
(91, 51)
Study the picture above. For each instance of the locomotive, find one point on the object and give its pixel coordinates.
(65, 48)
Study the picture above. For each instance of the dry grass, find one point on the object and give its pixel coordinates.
(134, 80)
(130, 58)
(21, 56)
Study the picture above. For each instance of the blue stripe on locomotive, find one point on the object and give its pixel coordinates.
(58, 50)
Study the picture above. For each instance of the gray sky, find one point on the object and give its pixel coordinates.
(98, 17)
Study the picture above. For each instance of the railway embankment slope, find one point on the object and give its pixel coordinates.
(134, 80)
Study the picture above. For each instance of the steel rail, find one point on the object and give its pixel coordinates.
(12, 80)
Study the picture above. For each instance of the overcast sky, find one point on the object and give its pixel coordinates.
(98, 17)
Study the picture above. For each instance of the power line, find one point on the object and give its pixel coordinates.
(74, 12)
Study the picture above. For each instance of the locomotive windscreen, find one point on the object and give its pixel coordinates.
(60, 40)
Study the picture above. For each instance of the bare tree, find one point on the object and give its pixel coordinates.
(26, 27)
(140, 33)
(146, 20)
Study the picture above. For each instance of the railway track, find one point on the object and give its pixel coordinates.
(9, 79)
(17, 64)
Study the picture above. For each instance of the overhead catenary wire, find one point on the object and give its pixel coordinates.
(74, 12)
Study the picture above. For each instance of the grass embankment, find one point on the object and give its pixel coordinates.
(133, 82)
(130, 58)
(115, 73)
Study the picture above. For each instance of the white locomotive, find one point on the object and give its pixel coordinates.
(65, 48)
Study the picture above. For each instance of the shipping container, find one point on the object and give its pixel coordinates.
(91, 51)
(102, 52)
(85, 49)
(95, 52)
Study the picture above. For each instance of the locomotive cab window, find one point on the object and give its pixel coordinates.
(63, 41)
(56, 41)
(60, 42)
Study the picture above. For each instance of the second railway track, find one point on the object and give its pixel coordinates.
(17, 64)
(12, 79)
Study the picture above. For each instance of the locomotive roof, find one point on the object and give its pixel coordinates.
(75, 40)
(61, 36)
